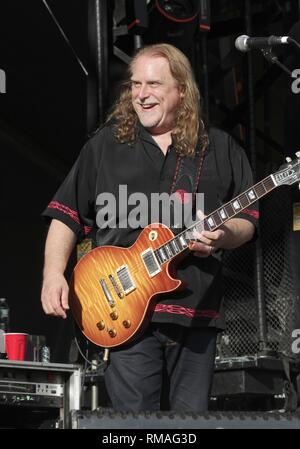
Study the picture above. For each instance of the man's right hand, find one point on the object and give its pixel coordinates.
(55, 293)
(59, 244)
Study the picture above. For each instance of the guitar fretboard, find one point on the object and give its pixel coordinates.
(180, 243)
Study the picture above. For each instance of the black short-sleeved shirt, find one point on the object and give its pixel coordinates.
(104, 165)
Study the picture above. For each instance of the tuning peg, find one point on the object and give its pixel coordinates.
(289, 159)
(298, 154)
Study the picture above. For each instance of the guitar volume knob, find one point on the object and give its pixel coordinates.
(101, 325)
(127, 324)
(114, 315)
(112, 332)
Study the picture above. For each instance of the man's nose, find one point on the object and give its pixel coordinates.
(144, 91)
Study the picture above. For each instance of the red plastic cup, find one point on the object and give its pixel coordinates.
(15, 345)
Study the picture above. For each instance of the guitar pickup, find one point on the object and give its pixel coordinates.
(150, 262)
(125, 279)
(106, 292)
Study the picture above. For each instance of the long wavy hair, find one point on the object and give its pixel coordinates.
(189, 127)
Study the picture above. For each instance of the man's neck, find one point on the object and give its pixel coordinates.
(163, 141)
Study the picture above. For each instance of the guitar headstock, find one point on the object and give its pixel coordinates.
(289, 173)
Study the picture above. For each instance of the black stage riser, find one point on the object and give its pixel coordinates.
(168, 420)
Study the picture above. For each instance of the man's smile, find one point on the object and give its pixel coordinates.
(147, 106)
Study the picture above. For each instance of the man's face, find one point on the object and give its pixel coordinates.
(155, 95)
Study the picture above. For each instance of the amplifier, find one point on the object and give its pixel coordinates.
(31, 394)
(41, 385)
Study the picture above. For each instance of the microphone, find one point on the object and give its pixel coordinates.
(245, 43)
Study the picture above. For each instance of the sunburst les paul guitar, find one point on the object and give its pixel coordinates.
(113, 289)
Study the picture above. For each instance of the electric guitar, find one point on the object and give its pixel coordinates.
(113, 289)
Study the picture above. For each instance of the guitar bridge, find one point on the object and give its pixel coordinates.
(106, 292)
(117, 290)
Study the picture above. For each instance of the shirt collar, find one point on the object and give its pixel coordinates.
(145, 135)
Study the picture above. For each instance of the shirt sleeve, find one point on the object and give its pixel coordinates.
(74, 202)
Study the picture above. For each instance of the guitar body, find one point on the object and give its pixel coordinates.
(113, 289)
(112, 293)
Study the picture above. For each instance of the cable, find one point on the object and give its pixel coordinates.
(78, 346)
(294, 42)
(81, 353)
(65, 37)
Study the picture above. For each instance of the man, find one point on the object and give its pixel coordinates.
(155, 125)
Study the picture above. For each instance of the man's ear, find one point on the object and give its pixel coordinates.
(181, 89)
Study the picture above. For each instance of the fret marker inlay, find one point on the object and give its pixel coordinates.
(236, 205)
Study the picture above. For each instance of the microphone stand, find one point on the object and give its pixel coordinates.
(294, 42)
(264, 349)
(271, 57)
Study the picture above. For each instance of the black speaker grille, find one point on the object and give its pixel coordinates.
(241, 337)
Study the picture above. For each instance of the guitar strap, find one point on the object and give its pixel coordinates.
(186, 179)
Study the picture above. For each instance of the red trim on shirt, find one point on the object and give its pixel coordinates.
(72, 214)
(65, 210)
(253, 213)
(191, 313)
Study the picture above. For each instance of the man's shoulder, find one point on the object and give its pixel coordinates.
(100, 134)
(223, 142)
(98, 141)
(217, 135)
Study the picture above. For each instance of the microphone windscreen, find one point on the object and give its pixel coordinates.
(241, 43)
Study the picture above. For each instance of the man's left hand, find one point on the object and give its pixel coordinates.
(208, 242)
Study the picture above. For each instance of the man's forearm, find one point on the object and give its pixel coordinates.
(237, 232)
(59, 245)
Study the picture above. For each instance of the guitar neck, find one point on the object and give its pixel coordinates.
(213, 221)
